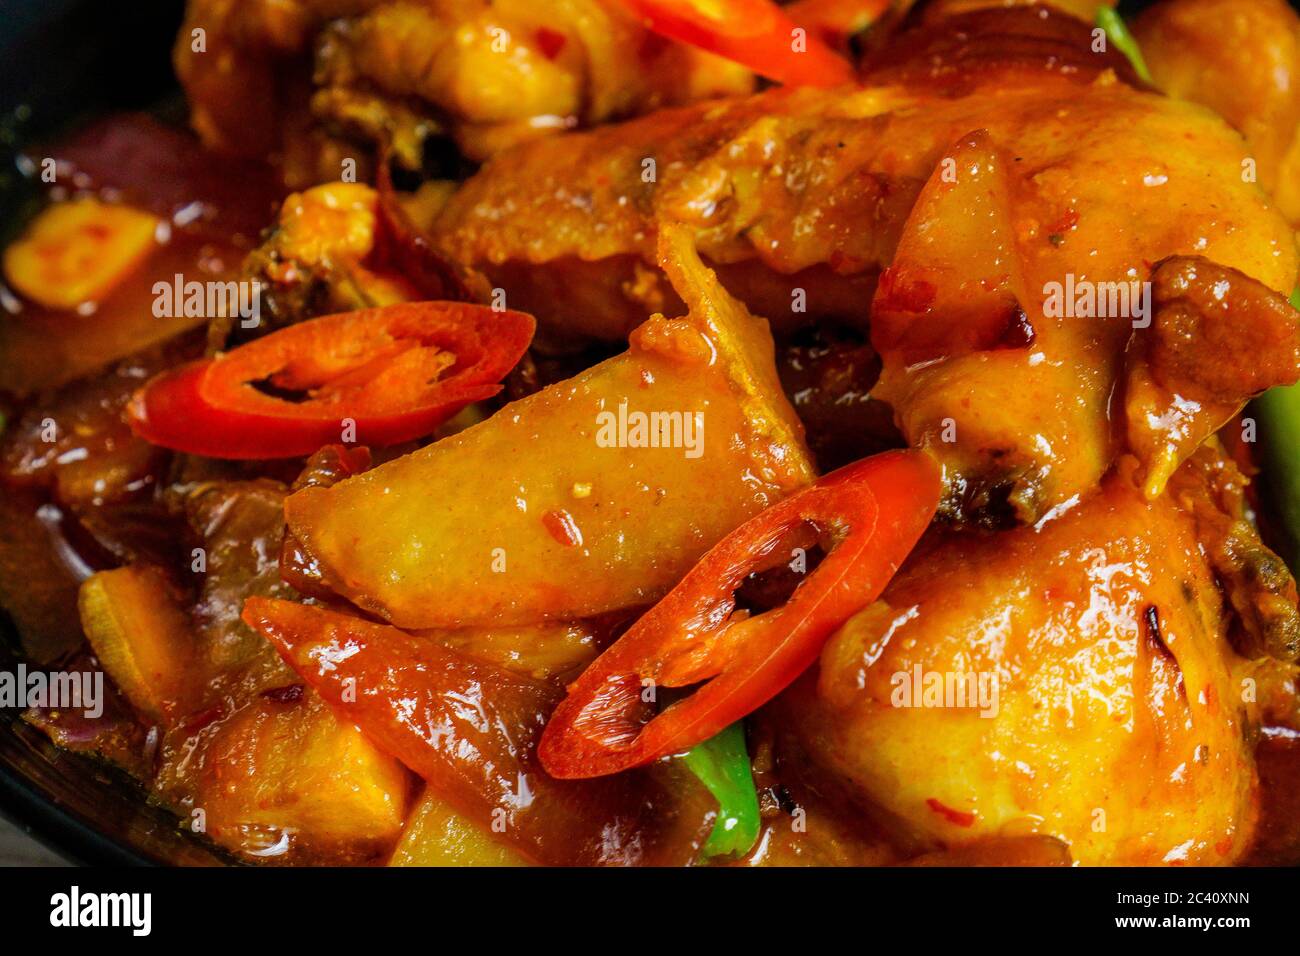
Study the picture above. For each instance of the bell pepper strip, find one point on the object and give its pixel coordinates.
(467, 727)
(394, 373)
(754, 33)
(722, 764)
(875, 510)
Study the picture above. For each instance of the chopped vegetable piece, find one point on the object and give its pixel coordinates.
(43, 348)
(754, 33)
(388, 375)
(283, 777)
(468, 728)
(473, 505)
(78, 251)
(142, 638)
(1118, 32)
(436, 835)
(722, 764)
(837, 22)
(876, 509)
(1279, 412)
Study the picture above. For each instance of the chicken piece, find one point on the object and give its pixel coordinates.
(314, 262)
(802, 197)
(770, 185)
(86, 482)
(1217, 338)
(1005, 681)
(1255, 580)
(1241, 58)
(395, 72)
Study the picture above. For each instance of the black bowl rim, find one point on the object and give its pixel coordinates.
(58, 828)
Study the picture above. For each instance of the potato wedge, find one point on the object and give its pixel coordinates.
(285, 778)
(142, 638)
(77, 251)
(555, 508)
(436, 835)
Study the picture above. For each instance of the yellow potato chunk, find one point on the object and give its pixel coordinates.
(576, 500)
(436, 835)
(142, 638)
(285, 776)
(76, 252)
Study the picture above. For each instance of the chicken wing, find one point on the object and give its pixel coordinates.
(262, 76)
(1077, 180)
(1241, 58)
(1035, 668)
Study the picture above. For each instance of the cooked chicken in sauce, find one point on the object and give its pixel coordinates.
(604, 432)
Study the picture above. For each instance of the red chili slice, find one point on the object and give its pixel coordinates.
(877, 509)
(753, 33)
(469, 729)
(389, 375)
(837, 21)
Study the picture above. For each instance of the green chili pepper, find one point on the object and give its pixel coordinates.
(722, 764)
(1113, 24)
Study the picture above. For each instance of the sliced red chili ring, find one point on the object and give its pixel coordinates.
(754, 33)
(877, 508)
(375, 377)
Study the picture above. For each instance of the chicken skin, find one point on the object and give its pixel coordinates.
(1084, 653)
(952, 206)
(269, 76)
(1241, 58)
